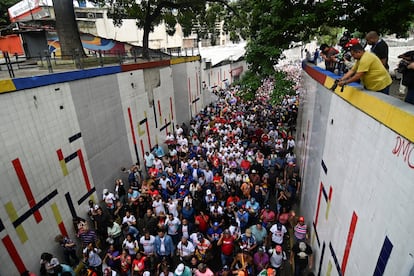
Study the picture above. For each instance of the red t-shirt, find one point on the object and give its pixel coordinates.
(227, 246)
(138, 265)
(203, 223)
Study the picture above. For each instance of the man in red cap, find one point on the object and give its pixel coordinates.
(301, 230)
(277, 258)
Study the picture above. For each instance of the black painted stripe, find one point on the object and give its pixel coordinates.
(338, 268)
(30, 212)
(164, 127)
(70, 157)
(196, 100)
(83, 198)
(325, 169)
(75, 137)
(70, 205)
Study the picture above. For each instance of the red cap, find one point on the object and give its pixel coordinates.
(301, 219)
(352, 42)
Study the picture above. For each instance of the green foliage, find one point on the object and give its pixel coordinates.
(282, 86)
(4, 14)
(275, 24)
(249, 83)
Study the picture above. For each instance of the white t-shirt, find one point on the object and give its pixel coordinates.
(277, 235)
(185, 250)
(148, 245)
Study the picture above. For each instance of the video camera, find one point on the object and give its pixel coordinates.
(335, 85)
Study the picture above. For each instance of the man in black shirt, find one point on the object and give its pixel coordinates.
(378, 47)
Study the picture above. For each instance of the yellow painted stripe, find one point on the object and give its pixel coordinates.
(329, 270)
(179, 60)
(56, 213)
(140, 131)
(64, 167)
(7, 86)
(313, 238)
(11, 211)
(389, 115)
(327, 209)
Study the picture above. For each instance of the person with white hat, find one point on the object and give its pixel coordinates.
(182, 270)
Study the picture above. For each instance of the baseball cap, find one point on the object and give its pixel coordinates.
(216, 224)
(180, 269)
(208, 192)
(301, 219)
(253, 171)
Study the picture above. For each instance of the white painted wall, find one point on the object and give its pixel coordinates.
(369, 174)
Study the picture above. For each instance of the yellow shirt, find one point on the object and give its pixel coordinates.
(376, 76)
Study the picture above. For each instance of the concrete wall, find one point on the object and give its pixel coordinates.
(357, 157)
(65, 136)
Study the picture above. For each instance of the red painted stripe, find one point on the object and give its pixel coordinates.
(132, 126)
(142, 147)
(84, 171)
(148, 135)
(14, 255)
(26, 188)
(349, 242)
(60, 154)
(315, 74)
(145, 65)
(319, 203)
(159, 108)
(63, 229)
(330, 193)
(171, 109)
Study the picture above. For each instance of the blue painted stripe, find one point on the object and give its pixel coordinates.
(36, 81)
(338, 268)
(320, 261)
(383, 257)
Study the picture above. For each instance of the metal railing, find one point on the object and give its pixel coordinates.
(20, 65)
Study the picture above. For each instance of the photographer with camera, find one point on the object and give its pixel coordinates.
(406, 68)
(369, 69)
(329, 55)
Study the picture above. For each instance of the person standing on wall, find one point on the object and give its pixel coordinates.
(378, 47)
(369, 69)
(328, 54)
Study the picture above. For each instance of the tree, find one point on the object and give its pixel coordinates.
(67, 29)
(275, 24)
(4, 14)
(150, 13)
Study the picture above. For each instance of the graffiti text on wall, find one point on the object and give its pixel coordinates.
(404, 148)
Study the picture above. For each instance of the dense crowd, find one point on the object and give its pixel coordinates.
(215, 199)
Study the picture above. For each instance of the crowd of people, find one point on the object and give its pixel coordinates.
(215, 199)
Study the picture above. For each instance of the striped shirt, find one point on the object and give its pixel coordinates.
(300, 231)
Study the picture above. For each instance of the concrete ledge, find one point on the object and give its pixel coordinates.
(389, 111)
